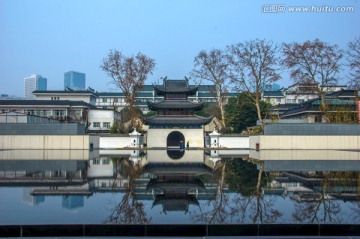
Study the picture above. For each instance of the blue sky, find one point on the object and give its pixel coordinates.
(49, 37)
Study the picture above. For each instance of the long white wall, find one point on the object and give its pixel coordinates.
(306, 142)
(114, 142)
(48, 142)
(234, 142)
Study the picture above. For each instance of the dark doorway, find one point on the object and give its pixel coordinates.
(174, 139)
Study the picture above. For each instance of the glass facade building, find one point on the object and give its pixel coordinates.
(33, 83)
(74, 80)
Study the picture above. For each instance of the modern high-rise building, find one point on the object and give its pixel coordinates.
(74, 80)
(33, 83)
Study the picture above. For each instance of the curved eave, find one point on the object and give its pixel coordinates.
(177, 120)
(189, 91)
(176, 105)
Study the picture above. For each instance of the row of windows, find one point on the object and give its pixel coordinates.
(105, 100)
(294, 101)
(55, 98)
(104, 125)
(98, 161)
(122, 100)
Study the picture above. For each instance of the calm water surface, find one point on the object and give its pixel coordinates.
(179, 187)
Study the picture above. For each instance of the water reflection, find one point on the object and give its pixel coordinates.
(130, 210)
(137, 187)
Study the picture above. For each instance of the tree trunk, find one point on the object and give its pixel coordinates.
(221, 106)
(257, 103)
(323, 108)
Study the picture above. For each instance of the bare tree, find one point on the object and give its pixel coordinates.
(129, 74)
(254, 67)
(313, 63)
(130, 210)
(353, 57)
(213, 66)
(323, 209)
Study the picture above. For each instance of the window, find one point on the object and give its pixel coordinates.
(300, 100)
(55, 98)
(96, 161)
(290, 101)
(116, 100)
(105, 161)
(104, 100)
(96, 124)
(278, 100)
(59, 112)
(106, 125)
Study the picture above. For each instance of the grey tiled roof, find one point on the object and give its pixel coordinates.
(175, 86)
(172, 104)
(74, 92)
(44, 102)
(273, 93)
(177, 120)
(110, 94)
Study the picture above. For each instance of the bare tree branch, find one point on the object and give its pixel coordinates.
(353, 57)
(213, 66)
(313, 63)
(253, 65)
(129, 74)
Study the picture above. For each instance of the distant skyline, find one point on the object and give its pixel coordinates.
(50, 37)
(32, 83)
(74, 80)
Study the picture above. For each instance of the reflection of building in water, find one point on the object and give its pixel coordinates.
(176, 186)
(30, 199)
(72, 202)
(45, 177)
(104, 173)
(310, 186)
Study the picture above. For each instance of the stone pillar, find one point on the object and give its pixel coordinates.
(214, 139)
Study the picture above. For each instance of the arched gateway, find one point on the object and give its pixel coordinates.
(175, 120)
(174, 138)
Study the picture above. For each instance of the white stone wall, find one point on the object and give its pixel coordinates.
(161, 156)
(44, 154)
(114, 142)
(158, 137)
(234, 142)
(47, 141)
(340, 142)
(305, 154)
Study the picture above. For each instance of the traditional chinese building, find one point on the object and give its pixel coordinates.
(176, 122)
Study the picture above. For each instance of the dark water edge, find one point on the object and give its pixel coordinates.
(203, 230)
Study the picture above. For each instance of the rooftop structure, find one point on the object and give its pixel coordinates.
(310, 110)
(297, 93)
(89, 95)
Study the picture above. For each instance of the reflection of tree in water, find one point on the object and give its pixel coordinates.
(129, 210)
(250, 204)
(325, 208)
(218, 213)
(249, 181)
(356, 204)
